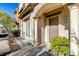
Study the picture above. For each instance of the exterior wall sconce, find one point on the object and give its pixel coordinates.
(65, 19)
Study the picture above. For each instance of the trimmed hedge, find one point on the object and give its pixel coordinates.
(60, 45)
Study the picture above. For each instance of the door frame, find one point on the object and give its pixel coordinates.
(47, 42)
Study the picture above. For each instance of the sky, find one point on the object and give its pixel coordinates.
(9, 8)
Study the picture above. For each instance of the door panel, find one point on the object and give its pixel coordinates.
(53, 27)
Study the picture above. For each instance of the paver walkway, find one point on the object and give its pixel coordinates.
(27, 51)
(31, 51)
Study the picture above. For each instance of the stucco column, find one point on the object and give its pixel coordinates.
(74, 17)
(36, 32)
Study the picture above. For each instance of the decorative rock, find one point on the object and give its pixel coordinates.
(4, 47)
(14, 47)
(20, 43)
(20, 52)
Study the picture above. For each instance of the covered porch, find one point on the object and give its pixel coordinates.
(56, 20)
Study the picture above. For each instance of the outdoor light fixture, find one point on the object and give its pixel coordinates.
(65, 19)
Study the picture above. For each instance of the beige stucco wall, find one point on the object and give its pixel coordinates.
(41, 29)
(63, 25)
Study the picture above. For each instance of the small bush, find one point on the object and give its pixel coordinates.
(16, 33)
(60, 45)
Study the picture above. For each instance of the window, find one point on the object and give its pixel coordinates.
(28, 28)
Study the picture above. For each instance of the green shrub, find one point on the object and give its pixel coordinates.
(60, 45)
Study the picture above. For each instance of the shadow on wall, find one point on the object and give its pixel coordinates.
(76, 39)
